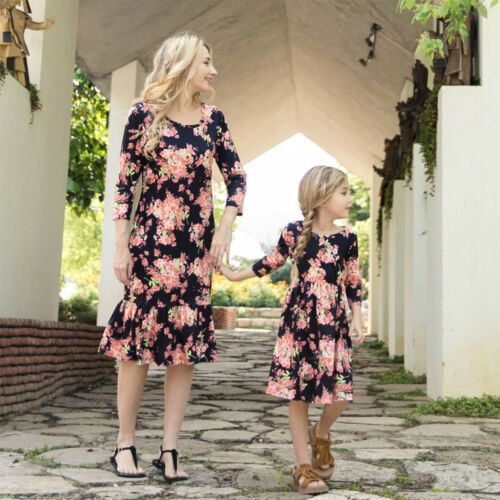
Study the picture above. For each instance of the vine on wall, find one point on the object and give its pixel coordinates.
(34, 93)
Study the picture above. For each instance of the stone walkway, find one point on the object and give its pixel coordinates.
(235, 441)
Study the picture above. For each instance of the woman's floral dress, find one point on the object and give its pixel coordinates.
(165, 316)
(313, 353)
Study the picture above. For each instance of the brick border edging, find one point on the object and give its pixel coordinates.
(40, 360)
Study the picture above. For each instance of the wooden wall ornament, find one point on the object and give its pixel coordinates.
(13, 49)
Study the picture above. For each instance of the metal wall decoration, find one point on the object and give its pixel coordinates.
(371, 40)
(13, 49)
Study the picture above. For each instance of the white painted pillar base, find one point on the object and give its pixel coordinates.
(34, 168)
(374, 273)
(126, 84)
(395, 237)
(464, 266)
(415, 328)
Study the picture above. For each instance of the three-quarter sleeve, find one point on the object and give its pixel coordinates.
(278, 255)
(131, 163)
(352, 277)
(230, 166)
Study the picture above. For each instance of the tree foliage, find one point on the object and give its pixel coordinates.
(88, 145)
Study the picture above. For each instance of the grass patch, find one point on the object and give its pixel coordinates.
(425, 456)
(402, 396)
(483, 407)
(399, 376)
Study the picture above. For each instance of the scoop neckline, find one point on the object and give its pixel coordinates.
(202, 119)
(342, 229)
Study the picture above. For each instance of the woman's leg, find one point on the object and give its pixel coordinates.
(298, 413)
(178, 379)
(131, 379)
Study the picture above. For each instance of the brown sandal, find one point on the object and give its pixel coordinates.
(321, 454)
(310, 476)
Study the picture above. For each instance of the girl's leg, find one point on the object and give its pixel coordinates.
(178, 379)
(330, 413)
(131, 379)
(298, 413)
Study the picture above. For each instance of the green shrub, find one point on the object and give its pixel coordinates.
(81, 308)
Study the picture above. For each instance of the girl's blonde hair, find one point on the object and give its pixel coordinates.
(174, 65)
(315, 188)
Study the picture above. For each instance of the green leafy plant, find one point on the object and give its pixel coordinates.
(35, 102)
(400, 376)
(485, 406)
(427, 137)
(454, 13)
(3, 73)
(81, 308)
(88, 144)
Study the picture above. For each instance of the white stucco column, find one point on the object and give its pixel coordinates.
(415, 285)
(34, 166)
(374, 274)
(126, 84)
(464, 267)
(395, 320)
(383, 282)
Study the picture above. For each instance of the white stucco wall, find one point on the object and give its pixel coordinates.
(464, 267)
(33, 169)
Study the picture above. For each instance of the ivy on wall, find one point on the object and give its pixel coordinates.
(34, 93)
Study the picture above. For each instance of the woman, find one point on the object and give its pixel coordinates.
(165, 317)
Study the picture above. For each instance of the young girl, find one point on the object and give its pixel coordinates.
(312, 358)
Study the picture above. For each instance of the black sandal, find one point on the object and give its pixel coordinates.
(160, 465)
(134, 456)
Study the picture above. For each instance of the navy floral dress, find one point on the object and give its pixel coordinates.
(313, 352)
(165, 316)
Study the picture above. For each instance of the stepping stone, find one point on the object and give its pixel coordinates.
(348, 495)
(351, 471)
(230, 435)
(35, 485)
(191, 425)
(205, 492)
(234, 457)
(372, 420)
(444, 430)
(235, 416)
(14, 464)
(263, 478)
(81, 430)
(390, 453)
(28, 442)
(81, 456)
(92, 476)
(125, 492)
(458, 477)
(371, 443)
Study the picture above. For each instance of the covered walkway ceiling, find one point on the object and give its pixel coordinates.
(285, 66)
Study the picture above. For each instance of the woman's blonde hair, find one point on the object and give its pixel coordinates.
(174, 65)
(315, 188)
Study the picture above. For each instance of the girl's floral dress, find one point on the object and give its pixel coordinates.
(165, 316)
(313, 353)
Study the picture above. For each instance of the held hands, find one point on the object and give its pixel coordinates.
(228, 272)
(221, 245)
(356, 333)
(123, 264)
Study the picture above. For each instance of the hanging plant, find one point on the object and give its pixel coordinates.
(36, 103)
(427, 137)
(3, 73)
(454, 14)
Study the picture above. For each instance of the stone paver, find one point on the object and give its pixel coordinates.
(235, 442)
